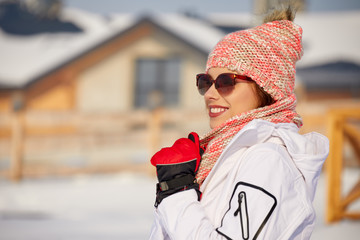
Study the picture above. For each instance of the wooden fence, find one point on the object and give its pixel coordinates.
(33, 141)
(343, 124)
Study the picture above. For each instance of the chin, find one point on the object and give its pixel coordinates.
(214, 124)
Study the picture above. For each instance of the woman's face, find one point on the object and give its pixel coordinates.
(221, 108)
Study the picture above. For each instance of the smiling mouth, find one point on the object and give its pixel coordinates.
(216, 111)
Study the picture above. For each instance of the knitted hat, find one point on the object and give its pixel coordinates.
(267, 54)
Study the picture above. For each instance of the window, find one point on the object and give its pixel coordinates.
(157, 82)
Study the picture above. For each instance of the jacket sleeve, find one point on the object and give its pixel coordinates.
(266, 202)
(157, 229)
(180, 216)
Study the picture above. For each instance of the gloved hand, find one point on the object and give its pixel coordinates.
(176, 167)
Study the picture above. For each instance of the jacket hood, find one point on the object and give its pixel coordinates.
(308, 151)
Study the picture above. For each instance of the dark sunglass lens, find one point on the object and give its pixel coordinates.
(203, 83)
(224, 84)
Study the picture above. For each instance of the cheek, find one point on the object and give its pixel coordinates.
(244, 100)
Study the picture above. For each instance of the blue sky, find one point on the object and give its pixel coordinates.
(197, 6)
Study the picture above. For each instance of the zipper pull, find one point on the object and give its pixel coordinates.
(243, 212)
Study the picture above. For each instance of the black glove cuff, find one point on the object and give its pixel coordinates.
(176, 182)
(167, 188)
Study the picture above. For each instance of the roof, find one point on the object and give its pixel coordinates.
(327, 37)
(17, 19)
(333, 76)
(25, 58)
(330, 37)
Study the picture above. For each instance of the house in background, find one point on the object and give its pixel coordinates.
(96, 92)
(85, 96)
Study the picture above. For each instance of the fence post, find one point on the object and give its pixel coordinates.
(17, 137)
(334, 167)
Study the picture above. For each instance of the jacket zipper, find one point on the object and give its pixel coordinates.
(243, 214)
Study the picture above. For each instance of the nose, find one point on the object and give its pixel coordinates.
(211, 93)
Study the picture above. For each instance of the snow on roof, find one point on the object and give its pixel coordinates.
(24, 58)
(327, 37)
(330, 37)
(198, 32)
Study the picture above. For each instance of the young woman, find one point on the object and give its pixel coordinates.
(253, 176)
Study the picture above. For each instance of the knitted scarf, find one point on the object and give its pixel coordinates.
(217, 139)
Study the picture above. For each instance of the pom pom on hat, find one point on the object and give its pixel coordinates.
(282, 12)
(266, 53)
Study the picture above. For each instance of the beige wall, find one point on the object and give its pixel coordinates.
(99, 89)
(109, 86)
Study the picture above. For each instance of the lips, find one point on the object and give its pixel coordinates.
(215, 111)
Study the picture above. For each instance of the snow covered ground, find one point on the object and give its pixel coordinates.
(108, 207)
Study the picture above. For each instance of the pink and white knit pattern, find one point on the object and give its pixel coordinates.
(267, 54)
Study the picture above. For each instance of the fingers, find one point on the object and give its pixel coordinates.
(182, 150)
(193, 136)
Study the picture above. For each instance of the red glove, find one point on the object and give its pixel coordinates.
(176, 167)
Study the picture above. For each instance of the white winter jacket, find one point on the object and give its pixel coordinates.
(261, 187)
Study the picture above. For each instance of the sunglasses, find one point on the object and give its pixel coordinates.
(224, 83)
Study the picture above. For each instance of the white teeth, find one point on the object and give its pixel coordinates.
(217, 110)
